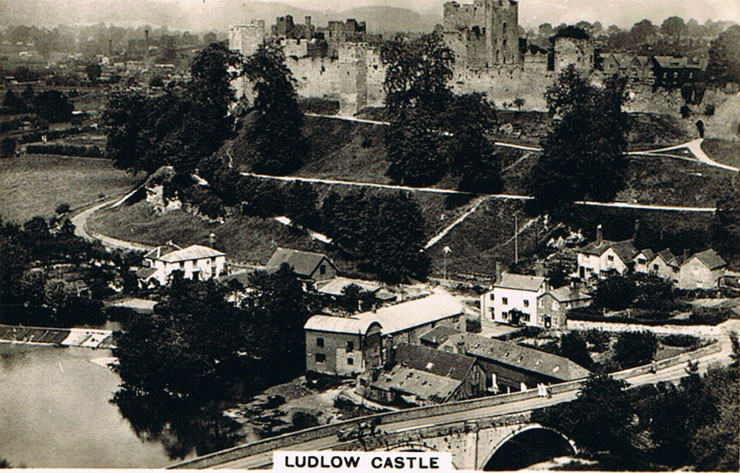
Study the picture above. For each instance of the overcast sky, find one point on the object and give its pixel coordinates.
(535, 12)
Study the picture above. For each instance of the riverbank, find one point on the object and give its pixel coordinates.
(66, 337)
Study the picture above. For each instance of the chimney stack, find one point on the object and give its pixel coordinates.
(685, 255)
(212, 240)
(146, 47)
(460, 347)
(499, 271)
(308, 21)
(637, 229)
(599, 235)
(539, 268)
(110, 48)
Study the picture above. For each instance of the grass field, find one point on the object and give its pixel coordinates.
(723, 151)
(36, 185)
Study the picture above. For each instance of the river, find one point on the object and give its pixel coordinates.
(54, 412)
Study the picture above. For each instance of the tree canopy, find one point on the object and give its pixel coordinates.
(583, 155)
(278, 144)
(724, 56)
(53, 106)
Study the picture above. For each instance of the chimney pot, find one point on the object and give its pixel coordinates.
(599, 235)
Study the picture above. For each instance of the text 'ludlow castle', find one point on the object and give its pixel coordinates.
(342, 60)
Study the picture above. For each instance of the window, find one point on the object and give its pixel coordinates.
(610, 258)
(320, 358)
(319, 342)
(322, 269)
(505, 300)
(491, 296)
(641, 261)
(540, 303)
(350, 361)
(655, 267)
(526, 302)
(350, 346)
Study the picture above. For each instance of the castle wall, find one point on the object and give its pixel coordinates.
(574, 51)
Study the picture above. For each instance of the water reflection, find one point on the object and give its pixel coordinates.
(182, 429)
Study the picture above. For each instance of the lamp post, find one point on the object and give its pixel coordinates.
(445, 251)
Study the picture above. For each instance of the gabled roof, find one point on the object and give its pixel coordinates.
(193, 252)
(431, 360)
(647, 253)
(304, 263)
(622, 59)
(624, 249)
(709, 258)
(335, 286)
(145, 273)
(521, 282)
(669, 62)
(437, 335)
(160, 251)
(568, 294)
(421, 385)
(667, 256)
(392, 319)
(519, 357)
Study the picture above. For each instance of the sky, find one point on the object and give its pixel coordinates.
(535, 12)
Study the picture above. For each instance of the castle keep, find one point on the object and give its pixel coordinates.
(483, 35)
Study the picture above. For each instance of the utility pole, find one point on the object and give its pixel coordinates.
(516, 239)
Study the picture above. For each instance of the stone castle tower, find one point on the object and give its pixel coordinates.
(483, 35)
(245, 39)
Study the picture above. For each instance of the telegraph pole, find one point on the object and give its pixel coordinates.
(445, 251)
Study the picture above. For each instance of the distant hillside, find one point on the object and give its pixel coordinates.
(210, 15)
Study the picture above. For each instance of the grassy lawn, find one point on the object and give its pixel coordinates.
(36, 185)
(247, 239)
(722, 151)
(673, 182)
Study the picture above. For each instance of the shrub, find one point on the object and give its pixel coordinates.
(635, 348)
(598, 339)
(62, 208)
(680, 341)
(615, 293)
(303, 420)
(66, 150)
(7, 147)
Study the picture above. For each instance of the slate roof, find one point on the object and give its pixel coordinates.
(420, 384)
(649, 254)
(519, 357)
(431, 360)
(335, 286)
(438, 335)
(392, 319)
(624, 249)
(670, 62)
(193, 252)
(520, 281)
(160, 251)
(567, 294)
(710, 259)
(145, 273)
(304, 263)
(643, 60)
(667, 256)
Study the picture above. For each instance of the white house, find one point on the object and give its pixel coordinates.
(665, 265)
(603, 257)
(196, 262)
(703, 270)
(642, 261)
(514, 292)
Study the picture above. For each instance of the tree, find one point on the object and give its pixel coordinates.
(642, 31)
(209, 38)
(615, 293)
(724, 56)
(93, 72)
(7, 147)
(674, 26)
(275, 134)
(519, 103)
(469, 119)
(726, 225)
(599, 419)
(583, 155)
(13, 102)
(417, 95)
(28, 95)
(53, 106)
(301, 202)
(573, 347)
(635, 348)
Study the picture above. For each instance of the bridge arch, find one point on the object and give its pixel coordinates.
(558, 442)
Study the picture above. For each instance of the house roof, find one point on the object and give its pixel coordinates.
(519, 357)
(193, 252)
(669, 62)
(709, 258)
(624, 249)
(160, 251)
(567, 294)
(522, 282)
(421, 384)
(392, 319)
(145, 273)
(643, 60)
(622, 59)
(438, 335)
(648, 253)
(431, 360)
(667, 256)
(335, 286)
(304, 263)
